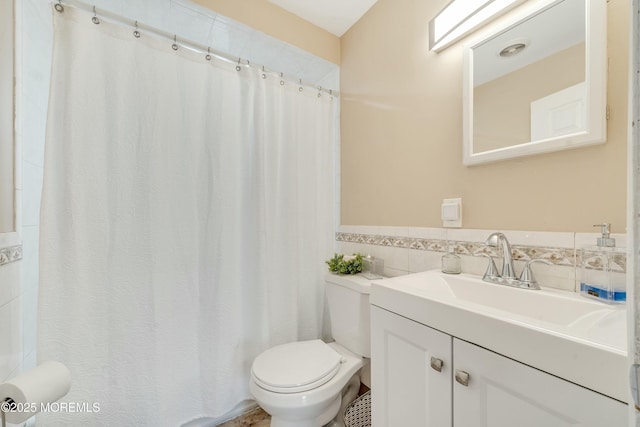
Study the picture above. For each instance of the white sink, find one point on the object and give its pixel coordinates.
(561, 308)
(563, 333)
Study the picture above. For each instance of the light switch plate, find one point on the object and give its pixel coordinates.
(451, 213)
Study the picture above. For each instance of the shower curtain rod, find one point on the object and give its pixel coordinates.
(181, 42)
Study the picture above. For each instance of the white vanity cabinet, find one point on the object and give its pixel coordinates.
(502, 392)
(407, 391)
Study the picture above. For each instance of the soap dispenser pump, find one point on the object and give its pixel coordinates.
(606, 240)
(602, 272)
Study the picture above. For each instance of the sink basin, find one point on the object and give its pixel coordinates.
(544, 306)
(563, 333)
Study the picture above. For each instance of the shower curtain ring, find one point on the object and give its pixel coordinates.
(58, 7)
(95, 18)
(281, 79)
(264, 75)
(300, 89)
(136, 33)
(208, 55)
(238, 67)
(174, 46)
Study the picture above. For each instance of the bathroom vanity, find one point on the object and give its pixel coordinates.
(452, 350)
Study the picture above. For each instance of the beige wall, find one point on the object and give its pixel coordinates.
(277, 22)
(502, 107)
(401, 131)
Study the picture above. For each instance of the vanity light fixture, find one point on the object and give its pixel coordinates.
(460, 17)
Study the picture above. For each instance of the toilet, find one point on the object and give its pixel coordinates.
(310, 383)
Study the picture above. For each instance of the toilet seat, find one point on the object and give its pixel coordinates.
(296, 367)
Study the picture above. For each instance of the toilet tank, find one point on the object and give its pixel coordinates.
(348, 301)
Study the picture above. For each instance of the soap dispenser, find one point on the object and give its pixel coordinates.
(372, 267)
(603, 272)
(451, 262)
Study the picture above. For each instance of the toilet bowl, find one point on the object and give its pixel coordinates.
(312, 399)
(309, 383)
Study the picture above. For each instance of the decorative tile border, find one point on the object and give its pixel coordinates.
(558, 256)
(10, 254)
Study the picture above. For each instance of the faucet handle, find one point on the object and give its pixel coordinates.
(492, 270)
(526, 277)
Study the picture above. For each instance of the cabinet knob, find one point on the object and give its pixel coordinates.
(462, 378)
(437, 364)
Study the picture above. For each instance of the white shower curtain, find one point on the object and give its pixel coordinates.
(187, 211)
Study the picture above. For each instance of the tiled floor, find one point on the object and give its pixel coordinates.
(255, 418)
(259, 418)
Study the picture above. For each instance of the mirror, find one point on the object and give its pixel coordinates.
(7, 142)
(537, 84)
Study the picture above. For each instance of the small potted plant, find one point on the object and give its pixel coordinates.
(341, 264)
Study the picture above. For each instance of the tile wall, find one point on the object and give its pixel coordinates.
(410, 250)
(11, 299)
(18, 263)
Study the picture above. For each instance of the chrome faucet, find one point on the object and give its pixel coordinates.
(508, 276)
(508, 272)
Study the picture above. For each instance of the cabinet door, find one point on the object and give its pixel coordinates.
(406, 390)
(504, 393)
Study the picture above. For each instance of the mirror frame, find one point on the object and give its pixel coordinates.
(595, 82)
